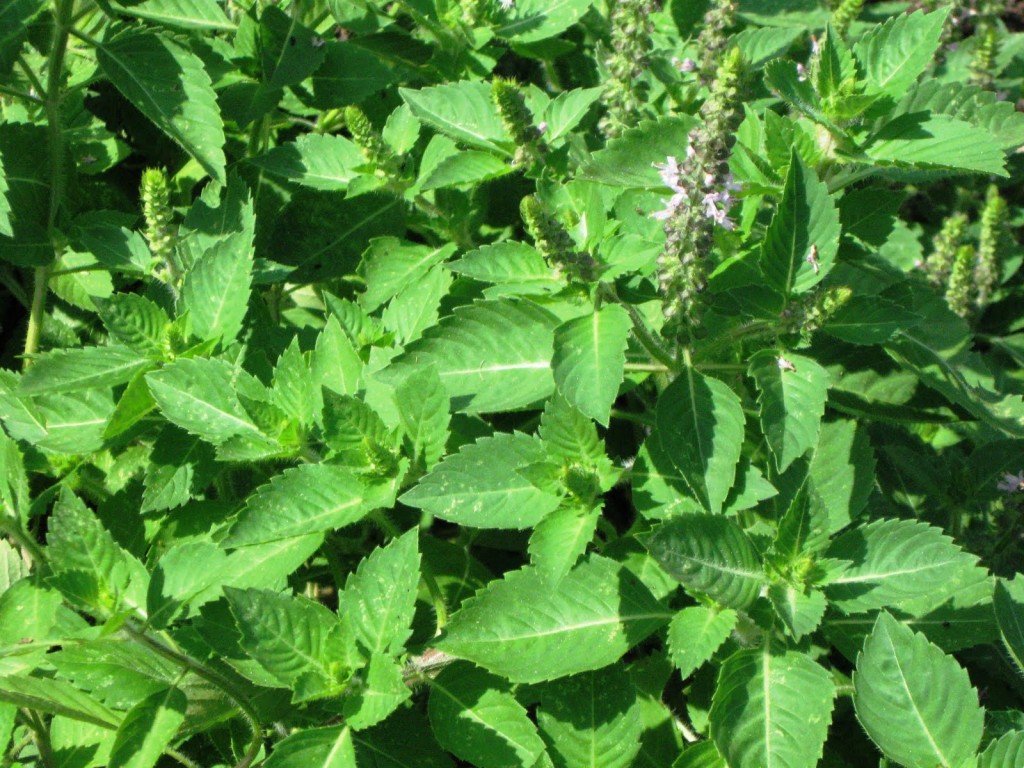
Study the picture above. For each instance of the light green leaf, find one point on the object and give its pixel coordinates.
(336, 364)
(894, 54)
(806, 219)
(628, 161)
(486, 485)
(12, 567)
(703, 754)
(516, 265)
(591, 720)
(1005, 752)
(187, 575)
(28, 611)
(895, 561)
(793, 390)
(709, 554)
(915, 702)
(380, 597)
(560, 539)
(264, 566)
(528, 21)
(423, 409)
(418, 306)
(169, 85)
(309, 498)
(491, 355)
(136, 322)
(299, 642)
(293, 389)
(801, 610)
(116, 673)
(464, 111)
(564, 112)
(56, 697)
(1008, 602)
(184, 14)
(315, 160)
(329, 747)
(589, 360)
(970, 103)
(74, 422)
(148, 729)
(771, 710)
(199, 396)
(695, 634)
(475, 717)
(5, 205)
(389, 265)
(525, 630)
(470, 167)
(70, 370)
(699, 429)
(927, 141)
(383, 690)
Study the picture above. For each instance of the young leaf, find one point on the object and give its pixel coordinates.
(1008, 602)
(486, 485)
(560, 539)
(380, 597)
(491, 356)
(390, 264)
(423, 409)
(591, 719)
(801, 610)
(82, 368)
(335, 363)
(148, 729)
(895, 53)
(590, 353)
(293, 389)
(475, 717)
(136, 322)
(315, 160)
(309, 498)
(380, 694)
(699, 430)
(792, 402)
(799, 248)
(1005, 752)
(709, 554)
(329, 747)
(528, 631)
(169, 85)
(771, 709)
(695, 634)
(464, 111)
(916, 703)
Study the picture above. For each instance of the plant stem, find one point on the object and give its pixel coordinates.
(643, 334)
(18, 94)
(647, 368)
(41, 737)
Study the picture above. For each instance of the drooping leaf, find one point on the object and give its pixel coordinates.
(306, 499)
(169, 85)
(486, 485)
(526, 631)
(464, 111)
(695, 634)
(771, 710)
(937, 142)
(315, 160)
(699, 430)
(590, 355)
(475, 717)
(915, 702)
(800, 246)
(329, 747)
(895, 53)
(148, 729)
(793, 390)
(709, 554)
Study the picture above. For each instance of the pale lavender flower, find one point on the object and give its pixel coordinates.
(671, 206)
(784, 364)
(506, 5)
(670, 173)
(1012, 483)
(801, 72)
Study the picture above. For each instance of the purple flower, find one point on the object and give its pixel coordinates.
(506, 5)
(1012, 483)
(671, 173)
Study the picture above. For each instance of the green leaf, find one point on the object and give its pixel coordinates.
(528, 21)
(695, 634)
(349, 74)
(628, 161)
(591, 720)
(28, 610)
(560, 539)
(391, 264)
(784, 79)
(187, 575)
(491, 355)
(423, 410)
(703, 754)
(56, 697)
(464, 111)
(306, 499)
(198, 395)
(793, 391)
(136, 322)
(868, 320)
(329, 747)
(893, 562)
(315, 160)
(927, 141)
(184, 14)
(566, 110)
(894, 54)
(806, 218)
(418, 306)
(699, 430)
(71, 370)
(380, 597)
(268, 565)
(148, 729)
(1005, 752)
(382, 692)
(403, 740)
(970, 103)
(27, 175)
(293, 390)
(511, 264)
(916, 703)
(475, 717)
(1008, 602)
(589, 360)
(842, 471)
(299, 642)
(115, 673)
(527, 631)
(169, 85)
(105, 236)
(288, 51)
(801, 609)
(771, 710)
(470, 167)
(487, 485)
(5, 205)
(709, 554)
(335, 363)
(15, 18)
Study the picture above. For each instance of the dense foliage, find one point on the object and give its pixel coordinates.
(511, 384)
